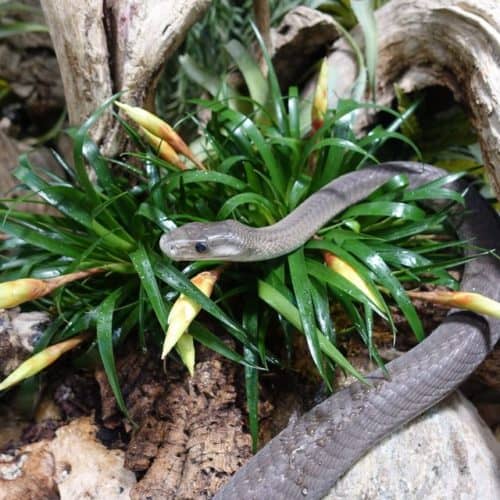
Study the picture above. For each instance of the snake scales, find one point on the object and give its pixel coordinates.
(308, 456)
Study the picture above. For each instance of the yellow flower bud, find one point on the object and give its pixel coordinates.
(463, 300)
(16, 292)
(41, 360)
(320, 101)
(349, 273)
(185, 309)
(186, 350)
(160, 129)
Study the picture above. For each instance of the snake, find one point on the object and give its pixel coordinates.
(307, 458)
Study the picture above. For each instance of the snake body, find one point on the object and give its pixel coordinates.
(310, 455)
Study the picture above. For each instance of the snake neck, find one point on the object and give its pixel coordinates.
(310, 455)
(302, 223)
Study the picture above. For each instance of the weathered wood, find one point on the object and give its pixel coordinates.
(79, 37)
(303, 36)
(106, 47)
(453, 43)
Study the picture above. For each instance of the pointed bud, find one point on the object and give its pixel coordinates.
(185, 309)
(349, 273)
(16, 292)
(160, 129)
(41, 360)
(320, 101)
(463, 300)
(186, 350)
(163, 149)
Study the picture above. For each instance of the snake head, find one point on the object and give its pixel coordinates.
(203, 241)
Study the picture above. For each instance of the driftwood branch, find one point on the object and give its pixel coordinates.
(452, 43)
(106, 47)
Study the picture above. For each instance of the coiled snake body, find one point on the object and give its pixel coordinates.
(308, 456)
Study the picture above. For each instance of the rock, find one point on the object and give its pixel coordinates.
(19, 332)
(86, 468)
(28, 474)
(72, 465)
(448, 453)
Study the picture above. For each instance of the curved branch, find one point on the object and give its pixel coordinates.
(453, 43)
(79, 38)
(106, 47)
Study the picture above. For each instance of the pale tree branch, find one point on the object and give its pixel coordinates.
(115, 45)
(453, 43)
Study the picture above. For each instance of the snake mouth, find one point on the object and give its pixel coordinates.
(168, 247)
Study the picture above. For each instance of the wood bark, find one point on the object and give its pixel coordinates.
(303, 36)
(115, 45)
(453, 43)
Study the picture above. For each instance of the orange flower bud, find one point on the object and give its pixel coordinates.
(163, 149)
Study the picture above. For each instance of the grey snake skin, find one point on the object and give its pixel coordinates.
(310, 455)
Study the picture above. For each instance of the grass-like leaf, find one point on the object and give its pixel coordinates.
(261, 162)
(144, 269)
(363, 9)
(281, 304)
(303, 295)
(105, 344)
(257, 85)
(384, 275)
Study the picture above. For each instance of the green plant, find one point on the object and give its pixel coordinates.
(261, 165)
(114, 228)
(10, 26)
(206, 56)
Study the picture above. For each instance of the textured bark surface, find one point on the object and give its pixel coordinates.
(190, 430)
(106, 47)
(302, 37)
(201, 438)
(452, 43)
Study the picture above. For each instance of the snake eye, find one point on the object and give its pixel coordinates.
(200, 247)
